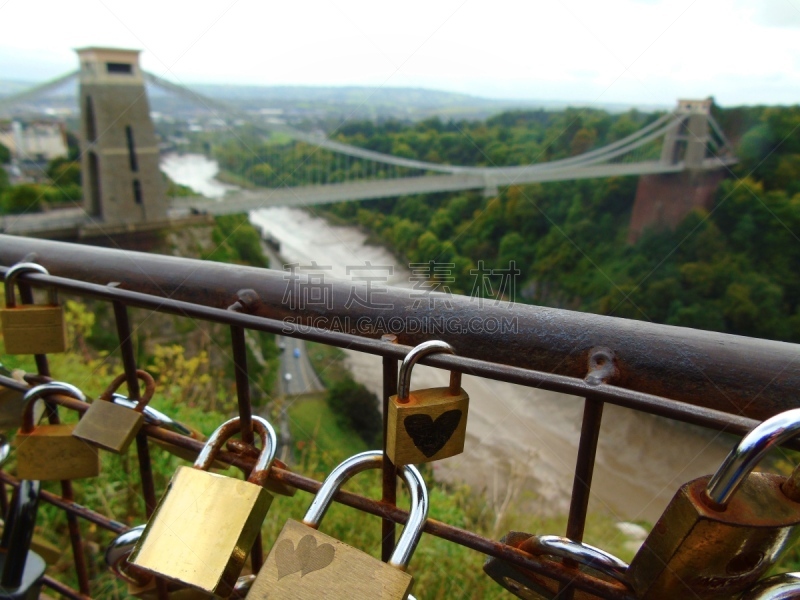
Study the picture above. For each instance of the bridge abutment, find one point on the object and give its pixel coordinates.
(663, 201)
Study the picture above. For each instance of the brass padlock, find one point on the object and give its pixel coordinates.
(778, 587)
(11, 401)
(719, 535)
(306, 564)
(426, 425)
(111, 426)
(50, 452)
(530, 585)
(143, 585)
(48, 551)
(205, 524)
(29, 328)
(159, 419)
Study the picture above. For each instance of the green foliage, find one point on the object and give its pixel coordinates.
(237, 241)
(4, 182)
(732, 269)
(25, 198)
(63, 171)
(5, 155)
(356, 408)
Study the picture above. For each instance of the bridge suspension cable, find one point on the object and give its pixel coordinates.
(36, 91)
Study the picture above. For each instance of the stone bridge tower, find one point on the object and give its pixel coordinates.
(122, 182)
(663, 200)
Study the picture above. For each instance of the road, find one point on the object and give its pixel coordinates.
(294, 362)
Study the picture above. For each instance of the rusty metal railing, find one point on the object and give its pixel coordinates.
(656, 369)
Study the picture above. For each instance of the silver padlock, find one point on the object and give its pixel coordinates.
(530, 585)
(785, 586)
(305, 563)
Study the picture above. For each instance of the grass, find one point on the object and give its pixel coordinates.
(328, 362)
(311, 420)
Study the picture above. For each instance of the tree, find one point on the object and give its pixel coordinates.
(21, 199)
(63, 171)
(5, 155)
(356, 408)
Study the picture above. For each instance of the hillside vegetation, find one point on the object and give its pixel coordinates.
(732, 269)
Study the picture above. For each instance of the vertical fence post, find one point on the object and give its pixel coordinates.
(389, 496)
(239, 346)
(128, 355)
(582, 484)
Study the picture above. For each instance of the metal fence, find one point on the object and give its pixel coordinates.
(718, 381)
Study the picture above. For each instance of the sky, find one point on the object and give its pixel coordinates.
(582, 51)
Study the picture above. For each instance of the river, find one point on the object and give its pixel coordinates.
(521, 442)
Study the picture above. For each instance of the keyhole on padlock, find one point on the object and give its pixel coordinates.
(744, 563)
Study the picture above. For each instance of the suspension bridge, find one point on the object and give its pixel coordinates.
(685, 140)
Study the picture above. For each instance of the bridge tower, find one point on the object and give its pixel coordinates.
(663, 200)
(122, 182)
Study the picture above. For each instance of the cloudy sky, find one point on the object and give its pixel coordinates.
(630, 51)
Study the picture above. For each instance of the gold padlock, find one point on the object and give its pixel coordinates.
(50, 452)
(111, 426)
(530, 585)
(29, 328)
(719, 535)
(49, 552)
(426, 425)
(305, 564)
(204, 526)
(11, 401)
(143, 585)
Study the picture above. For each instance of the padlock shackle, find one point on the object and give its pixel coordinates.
(155, 417)
(784, 586)
(269, 447)
(416, 353)
(373, 459)
(584, 554)
(117, 553)
(747, 454)
(141, 403)
(11, 279)
(45, 389)
(18, 532)
(5, 449)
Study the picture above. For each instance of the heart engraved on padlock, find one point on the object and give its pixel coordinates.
(205, 524)
(719, 535)
(426, 425)
(530, 585)
(50, 452)
(29, 328)
(305, 564)
(111, 426)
